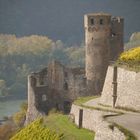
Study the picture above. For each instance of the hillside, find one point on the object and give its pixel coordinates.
(53, 127)
(21, 56)
(134, 41)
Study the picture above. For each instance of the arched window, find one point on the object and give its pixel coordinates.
(66, 74)
(44, 98)
(41, 80)
(92, 21)
(113, 34)
(101, 21)
(33, 81)
(65, 86)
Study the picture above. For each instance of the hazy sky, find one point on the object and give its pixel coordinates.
(62, 19)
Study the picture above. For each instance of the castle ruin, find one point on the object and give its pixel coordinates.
(58, 86)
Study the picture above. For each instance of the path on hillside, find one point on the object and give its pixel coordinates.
(129, 120)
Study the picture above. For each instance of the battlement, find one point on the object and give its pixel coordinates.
(117, 19)
(97, 19)
(98, 14)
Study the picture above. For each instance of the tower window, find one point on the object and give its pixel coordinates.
(101, 21)
(41, 81)
(92, 21)
(66, 74)
(113, 34)
(44, 98)
(65, 86)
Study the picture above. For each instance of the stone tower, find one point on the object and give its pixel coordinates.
(100, 32)
(117, 26)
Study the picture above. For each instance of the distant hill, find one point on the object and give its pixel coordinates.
(62, 19)
(134, 41)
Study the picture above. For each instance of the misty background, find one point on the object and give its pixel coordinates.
(34, 32)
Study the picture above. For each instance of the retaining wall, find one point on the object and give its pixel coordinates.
(93, 120)
(128, 89)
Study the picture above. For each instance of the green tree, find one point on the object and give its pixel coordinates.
(3, 88)
(22, 73)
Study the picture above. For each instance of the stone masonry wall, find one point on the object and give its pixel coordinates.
(56, 86)
(93, 120)
(128, 89)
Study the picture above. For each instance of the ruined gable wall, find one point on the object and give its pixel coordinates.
(55, 75)
(77, 83)
(33, 111)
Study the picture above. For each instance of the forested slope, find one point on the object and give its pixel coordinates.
(20, 56)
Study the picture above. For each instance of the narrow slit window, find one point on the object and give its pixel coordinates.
(66, 74)
(65, 86)
(101, 21)
(44, 98)
(92, 21)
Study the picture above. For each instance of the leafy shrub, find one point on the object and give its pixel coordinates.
(36, 131)
(19, 117)
(131, 57)
(6, 131)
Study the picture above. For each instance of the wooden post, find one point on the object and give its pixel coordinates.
(114, 85)
(80, 118)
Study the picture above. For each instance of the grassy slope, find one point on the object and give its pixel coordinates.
(52, 127)
(82, 100)
(61, 124)
(36, 131)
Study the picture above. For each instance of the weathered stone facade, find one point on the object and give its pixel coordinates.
(93, 120)
(54, 87)
(104, 42)
(58, 86)
(128, 89)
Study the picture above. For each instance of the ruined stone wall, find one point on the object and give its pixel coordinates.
(128, 89)
(77, 83)
(32, 112)
(93, 120)
(70, 82)
(54, 87)
(55, 75)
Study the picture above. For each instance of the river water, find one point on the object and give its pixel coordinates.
(7, 108)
